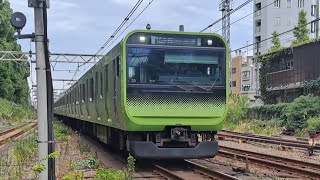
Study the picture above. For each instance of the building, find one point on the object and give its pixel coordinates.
(291, 73)
(280, 16)
(244, 76)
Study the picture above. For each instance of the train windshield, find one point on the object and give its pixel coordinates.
(176, 66)
(175, 63)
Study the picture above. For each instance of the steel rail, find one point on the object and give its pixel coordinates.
(210, 172)
(284, 160)
(269, 140)
(272, 164)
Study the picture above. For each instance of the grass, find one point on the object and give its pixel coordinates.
(15, 113)
(61, 132)
(270, 127)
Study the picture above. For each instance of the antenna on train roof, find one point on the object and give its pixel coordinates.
(148, 27)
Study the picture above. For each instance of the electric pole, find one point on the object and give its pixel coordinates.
(317, 18)
(226, 8)
(42, 100)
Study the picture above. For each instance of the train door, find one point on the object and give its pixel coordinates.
(114, 93)
(88, 99)
(101, 96)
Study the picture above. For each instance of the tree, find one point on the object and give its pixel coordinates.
(13, 75)
(301, 31)
(275, 42)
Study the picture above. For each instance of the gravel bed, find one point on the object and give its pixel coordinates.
(292, 153)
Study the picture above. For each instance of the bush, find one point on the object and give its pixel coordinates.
(313, 124)
(61, 132)
(296, 114)
(15, 113)
(267, 112)
(111, 174)
(238, 108)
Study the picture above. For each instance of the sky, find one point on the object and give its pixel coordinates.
(81, 26)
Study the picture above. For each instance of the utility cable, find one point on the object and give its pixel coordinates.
(231, 12)
(315, 20)
(247, 15)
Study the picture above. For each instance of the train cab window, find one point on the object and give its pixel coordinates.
(91, 89)
(118, 66)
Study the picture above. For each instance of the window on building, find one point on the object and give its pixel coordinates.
(289, 65)
(313, 10)
(246, 75)
(300, 3)
(258, 9)
(234, 84)
(258, 25)
(276, 21)
(288, 3)
(234, 70)
(313, 27)
(277, 3)
(246, 88)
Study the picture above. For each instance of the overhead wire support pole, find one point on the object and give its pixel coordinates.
(42, 97)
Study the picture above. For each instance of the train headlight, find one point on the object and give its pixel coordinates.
(142, 39)
(209, 42)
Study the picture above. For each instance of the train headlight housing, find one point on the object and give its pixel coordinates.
(209, 42)
(142, 39)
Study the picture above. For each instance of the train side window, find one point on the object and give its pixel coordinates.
(96, 85)
(87, 90)
(83, 94)
(106, 81)
(101, 84)
(91, 89)
(118, 66)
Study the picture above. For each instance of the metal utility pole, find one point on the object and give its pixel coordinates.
(226, 8)
(42, 99)
(317, 17)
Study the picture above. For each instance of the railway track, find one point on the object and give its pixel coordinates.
(291, 166)
(15, 132)
(191, 170)
(266, 139)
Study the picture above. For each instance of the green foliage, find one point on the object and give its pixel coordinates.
(73, 176)
(238, 108)
(267, 112)
(268, 127)
(38, 168)
(53, 155)
(110, 174)
(13, 112)
(301, 31)
(300, 110)
(89, 163)
(313, 124)
(13, 75)
(311, 87)
(129, 170)
(61, 132)
(275, 42)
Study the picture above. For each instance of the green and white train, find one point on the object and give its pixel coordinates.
(156, 94)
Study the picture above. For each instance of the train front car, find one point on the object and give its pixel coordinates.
(175, 93)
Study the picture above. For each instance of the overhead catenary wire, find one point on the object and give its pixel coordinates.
(315, 20)
(116, 38)
(247, 15)
(231, 12)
